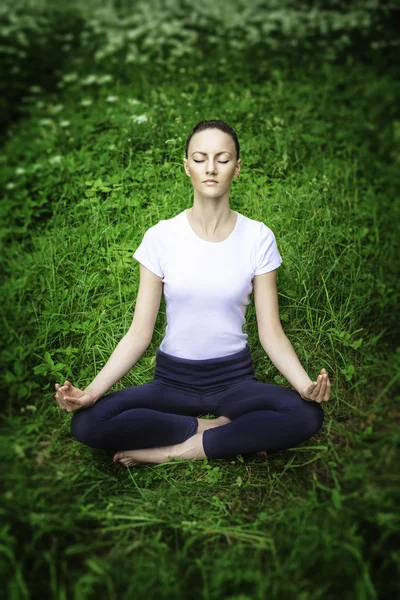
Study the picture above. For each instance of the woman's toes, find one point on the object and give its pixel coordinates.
(224, 419)
(127, 462)
(125, 459)
(118, 456)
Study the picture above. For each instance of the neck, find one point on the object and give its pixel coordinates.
(211, 217)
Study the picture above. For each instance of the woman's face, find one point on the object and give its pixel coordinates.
(212, 155)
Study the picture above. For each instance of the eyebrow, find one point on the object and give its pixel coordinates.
(223, 152)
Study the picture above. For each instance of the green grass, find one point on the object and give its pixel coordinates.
(320, 152)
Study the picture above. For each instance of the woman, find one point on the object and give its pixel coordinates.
(206, 260)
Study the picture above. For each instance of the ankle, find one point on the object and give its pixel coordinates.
(200, 426)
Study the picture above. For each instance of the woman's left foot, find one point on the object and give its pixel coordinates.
(211, 423)
(129, 458)
(190, 449)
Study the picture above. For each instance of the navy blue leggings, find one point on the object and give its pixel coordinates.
(163, 412)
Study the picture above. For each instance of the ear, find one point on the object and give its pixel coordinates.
(185, 165)
(237, 168)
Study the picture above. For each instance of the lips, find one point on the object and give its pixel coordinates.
(210, 181)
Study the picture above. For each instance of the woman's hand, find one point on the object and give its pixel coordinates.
(70, 398)
(318, 391)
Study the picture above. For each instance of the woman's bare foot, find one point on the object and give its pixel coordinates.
(210, 423)
(190, 449)
(129, 458)
(162, 454)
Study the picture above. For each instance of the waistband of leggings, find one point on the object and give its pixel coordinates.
(209, 371)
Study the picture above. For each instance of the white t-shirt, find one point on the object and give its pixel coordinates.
(207, 285)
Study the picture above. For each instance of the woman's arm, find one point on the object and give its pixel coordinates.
(278, 347)
(284, 357)
(128, 351)
(270, 332)
(125, 355)
(136, 341)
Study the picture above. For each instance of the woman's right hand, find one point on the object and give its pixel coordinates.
(70, 398)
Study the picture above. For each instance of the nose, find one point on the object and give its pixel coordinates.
(211, 170)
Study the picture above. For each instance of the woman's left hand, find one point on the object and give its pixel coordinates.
(318, 391)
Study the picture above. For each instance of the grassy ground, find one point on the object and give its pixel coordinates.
(82, 182)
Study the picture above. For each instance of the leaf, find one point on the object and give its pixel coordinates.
(48, 359)
(95, 566)
(357, 343)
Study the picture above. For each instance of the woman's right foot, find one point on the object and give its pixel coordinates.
(210, 423)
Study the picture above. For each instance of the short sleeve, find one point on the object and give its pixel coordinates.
(267, 253)
(149, 251)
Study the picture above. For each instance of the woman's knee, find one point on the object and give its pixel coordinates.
(313, 416)
(310, 414)
(83, 427)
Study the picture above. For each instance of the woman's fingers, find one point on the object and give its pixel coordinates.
(322, 390)
(315, 391)
(327, 390)
(59, 399)
(63, 401)
(311, 388)
(67, 403)
(72, 401)
(71, 404)
(64, 390)
(319, 388)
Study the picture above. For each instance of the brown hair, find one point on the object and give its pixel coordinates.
(216, 124)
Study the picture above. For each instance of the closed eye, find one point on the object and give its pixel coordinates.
(220, 161)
